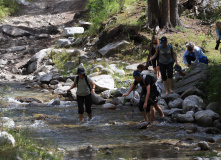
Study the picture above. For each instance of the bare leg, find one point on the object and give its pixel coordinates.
(158, 72)
(159, 110)
(81, 117)
(155, 70)
(144, 115)
(152, 112)
(170, 85)
(90, 116)
(165, 86)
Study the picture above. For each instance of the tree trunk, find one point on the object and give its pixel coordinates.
(165, 19)
(174, 16)
(153, 13)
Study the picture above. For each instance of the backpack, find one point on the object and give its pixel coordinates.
(149, 73)
(170, 45)
(85, 80)
(203, 59)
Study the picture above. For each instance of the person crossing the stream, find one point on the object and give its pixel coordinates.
(84, 91)
(167, 57)
(148, 95)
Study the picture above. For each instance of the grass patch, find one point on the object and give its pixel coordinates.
(8, 7)
(28, 149)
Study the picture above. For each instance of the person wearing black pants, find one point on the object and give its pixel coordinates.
(167, 57)
(84, 92)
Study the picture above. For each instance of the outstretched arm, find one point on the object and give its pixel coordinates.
(93, 87)
(155, 55)
(74, 85)
(131, 88)
(174, 57)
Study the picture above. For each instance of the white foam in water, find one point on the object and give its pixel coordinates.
(37, 123)
(12, 100)
(23, 2)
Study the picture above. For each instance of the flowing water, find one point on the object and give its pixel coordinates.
(112, 134)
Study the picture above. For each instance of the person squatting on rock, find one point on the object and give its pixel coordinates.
(84, 91)
(218, 32)
(155, 62)
(148, 95)
(193, 53)
(167, 57)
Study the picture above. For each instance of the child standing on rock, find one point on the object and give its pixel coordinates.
(84, 92)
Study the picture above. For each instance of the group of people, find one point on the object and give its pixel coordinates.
(163, 58)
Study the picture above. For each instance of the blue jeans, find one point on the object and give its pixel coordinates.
(190, 58)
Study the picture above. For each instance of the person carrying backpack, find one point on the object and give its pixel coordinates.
(148, 95)
(84, 91)
(167, 57)
(193, 53)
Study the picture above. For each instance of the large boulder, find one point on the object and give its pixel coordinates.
(113, 47)
(120, 91)
(103, 82)
(63, 42)
(172, 111)
(193, 103)
(46, 78)
(6, 123)
(205, 118)
(71, 31)
(108, 106)
(184, 118)
(170, 97)
(14, 31)
(177, 103)
(61, 90)
(204, 145)
(118, 100)
(106, 94)
(97, 100)
(214, 106)
(192, 91)
(116, 70)
(6, 139)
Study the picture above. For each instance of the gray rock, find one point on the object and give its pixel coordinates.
(45, 86)
(14, 31)
(163, 104)
(172, 111)
(106, 94)
(6, 139)
(28, 100)
(116, 70)
(177, 103)
(142, 125)
(97, 100)
(71, 31)
(55, 101)
(193, 102)
(217, 124)
(83, 58)
(69, 65)
(63, 43)
(43, 36)
(85, 24)
(113, 47)
(54, 82)
(46, 78)
(204, 146)
(132, 67)
(108, 106)
(16, 49)
(120, 91)
(213, 106)
(206, 113)
(170, 97)
(185, 118)
(15, 70)
(3, 61)
(134, 102)
(32, 67)
(106, 71)
(98, 68)
(6, 123)
(133, 94)
(118, 100)
(192, 91)
(103, 82)
(205, 121)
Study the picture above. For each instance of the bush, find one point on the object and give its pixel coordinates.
(8, 7)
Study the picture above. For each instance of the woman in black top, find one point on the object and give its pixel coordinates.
(155, 62)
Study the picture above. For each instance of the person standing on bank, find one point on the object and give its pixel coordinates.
(155, 62)
(167, 57)
(218, 32)
(193, 53)
(84, 91)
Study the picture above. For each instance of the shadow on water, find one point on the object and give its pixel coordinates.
(111, 134)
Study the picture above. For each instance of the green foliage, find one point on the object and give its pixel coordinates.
(8, 7)
(28, 149)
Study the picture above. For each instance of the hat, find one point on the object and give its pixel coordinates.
(163, 40)
(80, 71)
(136, 73)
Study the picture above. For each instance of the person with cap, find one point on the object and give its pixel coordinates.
(148, 95)
(167, 57)
(84, 91)
(193, 53)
